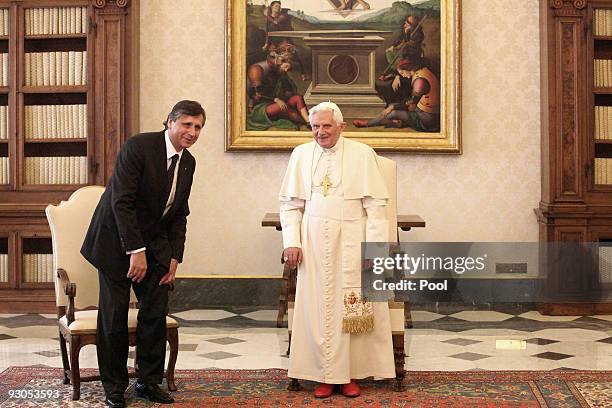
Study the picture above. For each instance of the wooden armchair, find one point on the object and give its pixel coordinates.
(77, 316)
(399, 311)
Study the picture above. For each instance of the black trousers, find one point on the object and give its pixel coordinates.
(112, 332)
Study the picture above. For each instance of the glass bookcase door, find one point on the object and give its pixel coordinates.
(55, 88)
(601, 119)
(5, 178)
(37, 261)
(4, 260)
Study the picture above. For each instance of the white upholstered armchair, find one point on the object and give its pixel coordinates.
(76, 287)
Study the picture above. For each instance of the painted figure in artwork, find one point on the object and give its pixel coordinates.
(273, 100)
(410, 39)
(392, 87)
(420, 111)
(278, 19)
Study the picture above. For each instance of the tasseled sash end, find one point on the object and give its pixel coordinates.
(358, 315)
(356, 325)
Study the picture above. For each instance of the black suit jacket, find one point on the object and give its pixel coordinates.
(129, 214)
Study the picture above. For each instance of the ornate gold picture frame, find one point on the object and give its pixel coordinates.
(392, 66)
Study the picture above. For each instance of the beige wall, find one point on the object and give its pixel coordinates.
(486, 194)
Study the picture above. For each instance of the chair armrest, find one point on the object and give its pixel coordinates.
(69, 290)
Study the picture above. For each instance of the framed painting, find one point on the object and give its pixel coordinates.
(393, 68)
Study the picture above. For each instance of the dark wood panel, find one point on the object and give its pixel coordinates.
(567, 32)
(603, 149)
(55, 44)
(603, 99)
(603, 49)
(55, 149)
(27, 301)
(55, 98)
(38, 245)
(55, 89)
(570, 235)
(111, 78)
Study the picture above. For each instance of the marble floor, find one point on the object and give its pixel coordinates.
(451, 340)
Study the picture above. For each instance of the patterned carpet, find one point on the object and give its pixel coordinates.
(266, 388)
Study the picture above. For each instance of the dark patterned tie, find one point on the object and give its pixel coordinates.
(171, 171)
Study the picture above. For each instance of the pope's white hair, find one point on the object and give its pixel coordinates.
(326, 107)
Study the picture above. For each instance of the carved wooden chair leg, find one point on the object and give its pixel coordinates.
(407, 316)
(173, 340)
(65, 361)
(294, 385)
(282, 299)
(398, 383)
(400, 359)
(75, 348)
(135, 359)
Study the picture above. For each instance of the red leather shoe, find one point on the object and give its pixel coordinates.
(323, 390)
(351, 390)
(360, 123)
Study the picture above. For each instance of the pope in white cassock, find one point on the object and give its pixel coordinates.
(333, 198)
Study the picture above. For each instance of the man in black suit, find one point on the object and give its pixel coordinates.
(136, 238)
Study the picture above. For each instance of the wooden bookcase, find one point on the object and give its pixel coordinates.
(576, 203)
(70, 95)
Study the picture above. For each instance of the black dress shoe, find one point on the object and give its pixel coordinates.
(115, 401)
(153, 393)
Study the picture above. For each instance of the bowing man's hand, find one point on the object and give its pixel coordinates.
(168, 278)
(138, 266)
(292, 256)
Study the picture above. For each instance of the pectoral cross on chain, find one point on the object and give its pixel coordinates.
(326, 184)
